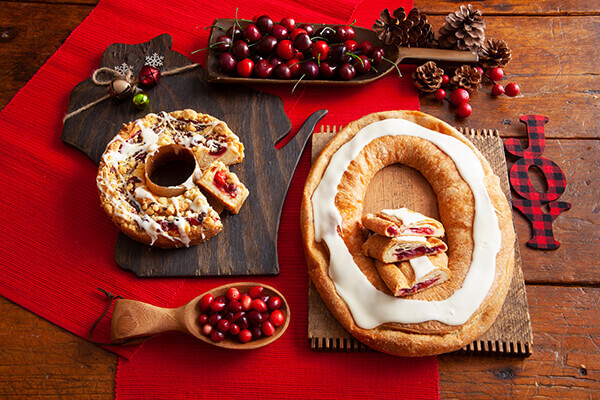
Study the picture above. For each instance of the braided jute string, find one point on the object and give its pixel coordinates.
(112, 74)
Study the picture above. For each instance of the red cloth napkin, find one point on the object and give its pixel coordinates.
(57, 245)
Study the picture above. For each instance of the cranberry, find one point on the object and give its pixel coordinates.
(445, 80)
(294, 66)
(232, 294)
(227, 62)
(256, 291)
(351, 45)
(240, 50)
(234, 329)
(246, 302)
(289, 23)
(251, 33)
(285, 49)
(459, 96)
(440, 94)
(496, 74)
(320, 50)
(362, 65)
(274, 303)
(464, 110)
(243, 322)
(512, 89)
(279, 32)
(365, 47)
(207, 329)
(205, 301)
(498, 90)
(267, 328)
(310, 69)
(229, 316)
(244, 336)
(238, 315)
(217, 306)
(327, 69)
(265, 24)
(234, 32)
(259, 305)
(223, 325)
(263, 69)
(256, 332)
(277, 318)
(267, 46)
(302, 41)
(254, 317)
(346, 72)
(203, 319)
(308, 28)
(214, 319)
(245, 67)
(217, 336)
(223, 43)
(234, 306)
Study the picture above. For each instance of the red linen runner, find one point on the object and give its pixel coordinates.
(56, 245)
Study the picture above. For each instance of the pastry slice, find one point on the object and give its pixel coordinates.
(224, 187)
(402, 222)
(415, 275)
(401, 248)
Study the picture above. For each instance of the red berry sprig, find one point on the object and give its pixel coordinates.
(245, 316)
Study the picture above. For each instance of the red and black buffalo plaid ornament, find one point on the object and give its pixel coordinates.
(531, 203)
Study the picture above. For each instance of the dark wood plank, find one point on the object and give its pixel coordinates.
(40, 360)
(547, 7)
(564, 364)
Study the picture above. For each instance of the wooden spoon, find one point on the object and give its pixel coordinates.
(397, 55)
(136, 319)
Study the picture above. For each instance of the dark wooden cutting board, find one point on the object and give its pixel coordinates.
(248, 243)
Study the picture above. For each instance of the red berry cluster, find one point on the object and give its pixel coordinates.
(495, 75)
(265, 49)
(245, 316)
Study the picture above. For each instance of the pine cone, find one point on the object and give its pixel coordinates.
(464, 30)
(428, 77)
(385, 26)
(413, 30)
(466, 77)
(494, 53)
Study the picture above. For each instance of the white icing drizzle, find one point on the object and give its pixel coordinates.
(407, 216)
(370, 307)
(421, 266)
(149, 141)
(421, 239)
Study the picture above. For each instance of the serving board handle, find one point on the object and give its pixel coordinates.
(439, 55)
(135, 319)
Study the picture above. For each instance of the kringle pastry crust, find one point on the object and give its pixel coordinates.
(164, 220)
(401, 279)
(402, 222)
(456, 205)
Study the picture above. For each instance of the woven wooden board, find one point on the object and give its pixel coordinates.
(511, 334)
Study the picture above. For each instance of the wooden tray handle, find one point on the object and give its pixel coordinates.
(134, 319)
(438, 55)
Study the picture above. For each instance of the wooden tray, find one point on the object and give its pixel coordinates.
(511, 334)
(248, 243)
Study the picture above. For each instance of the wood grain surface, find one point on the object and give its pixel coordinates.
(555, 44)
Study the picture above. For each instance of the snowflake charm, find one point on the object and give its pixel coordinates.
(123, 68)
(155, 60)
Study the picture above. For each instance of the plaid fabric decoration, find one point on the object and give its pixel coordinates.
(531, 204)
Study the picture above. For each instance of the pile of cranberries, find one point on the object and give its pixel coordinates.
(262, 48)
(245, 316)
(460, 97)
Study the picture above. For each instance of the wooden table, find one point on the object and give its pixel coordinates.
(556, 45)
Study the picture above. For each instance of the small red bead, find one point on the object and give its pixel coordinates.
(512, 89)
(464, 110)
(440, 94)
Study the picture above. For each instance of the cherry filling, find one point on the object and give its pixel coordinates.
(217, 149)
(426, 231)
(417, 252)
(392, 231)
(418, 286)
(220, 182)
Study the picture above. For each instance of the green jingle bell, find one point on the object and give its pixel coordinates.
(141, 100)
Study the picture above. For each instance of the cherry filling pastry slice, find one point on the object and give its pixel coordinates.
(401, 248)
(402, 222)
(224, 187)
